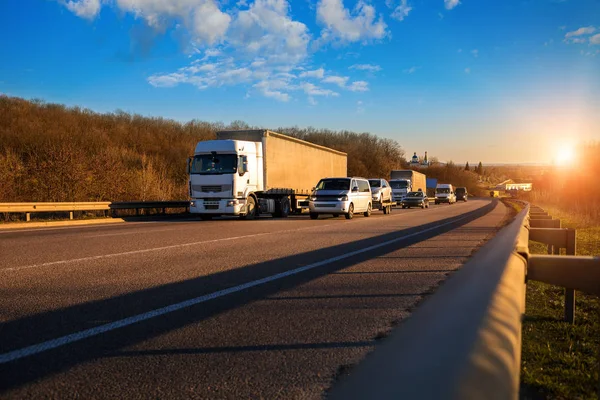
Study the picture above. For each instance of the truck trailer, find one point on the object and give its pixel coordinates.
(250, 172)
(404, 181)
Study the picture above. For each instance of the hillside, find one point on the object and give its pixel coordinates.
(49, 152)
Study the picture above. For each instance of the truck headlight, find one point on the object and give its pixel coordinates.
(343, 198)
(313, 198)
(192, 204)
(232, 203)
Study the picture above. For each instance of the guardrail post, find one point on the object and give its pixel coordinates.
(70, 214)
(570, 293)
(27, 217)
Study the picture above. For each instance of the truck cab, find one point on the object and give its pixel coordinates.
(400, 188)
(222, 174)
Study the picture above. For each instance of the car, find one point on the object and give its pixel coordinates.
(461, 193)
(341, 196)
(444, 193)
(381, 192)
(415, 199)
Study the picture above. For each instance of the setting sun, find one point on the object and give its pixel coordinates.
(565, 155)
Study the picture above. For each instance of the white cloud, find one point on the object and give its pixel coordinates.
(360, 109)
(317, 73)
(313, 90)
(366, 67)
(84, 8)
(577, 40)
(359, 86)
(401, 11)
(267, 29)
(411, 70)
(595, 39)
(467, 70)
(312, 101)
(450, 4)
(211, 53)
(210, 23)
(342, 25)
(338, 80)
(168, 80)
(252, 43)
(581, 31)
(475, 53)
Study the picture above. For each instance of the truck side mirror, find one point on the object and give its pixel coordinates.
(187, 166)
(355, 189)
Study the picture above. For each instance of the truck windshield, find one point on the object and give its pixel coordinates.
(375, 183)
(399, 184)
(442, 190)
(334, 184)
(461, 190)
(214, 164)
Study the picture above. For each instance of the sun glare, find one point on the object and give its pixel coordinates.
(565, 156)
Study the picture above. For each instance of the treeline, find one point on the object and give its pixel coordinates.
(455, 175)
(50, 152)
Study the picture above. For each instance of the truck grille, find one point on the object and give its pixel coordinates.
(209, 189)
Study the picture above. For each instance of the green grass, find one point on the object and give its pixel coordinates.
(560, 360)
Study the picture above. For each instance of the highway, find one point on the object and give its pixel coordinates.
(271, 308)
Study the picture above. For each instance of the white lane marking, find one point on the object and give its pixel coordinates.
(127, 233)
(75, 337)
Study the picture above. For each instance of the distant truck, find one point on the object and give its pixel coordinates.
(250, 172)
(404, 181)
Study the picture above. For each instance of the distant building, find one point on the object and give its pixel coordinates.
(416, 162)
(509, 185)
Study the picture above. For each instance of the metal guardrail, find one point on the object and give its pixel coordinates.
(465, 341)
(70, 207)
(140, 205)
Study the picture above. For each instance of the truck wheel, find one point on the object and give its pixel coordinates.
(386, 209)
(350, 212)
(368, 212)
(423, 205)
(314, 215)
(250, 209)
(282, 208)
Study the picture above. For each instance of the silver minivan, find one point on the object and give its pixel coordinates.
(341, 196)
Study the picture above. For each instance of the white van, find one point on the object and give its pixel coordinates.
(444, 193)
(341, 196)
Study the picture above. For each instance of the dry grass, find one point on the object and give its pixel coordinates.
(560, 360)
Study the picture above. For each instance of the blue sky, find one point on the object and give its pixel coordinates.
(470, 80)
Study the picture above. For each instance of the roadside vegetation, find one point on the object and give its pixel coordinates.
(50, 152)
(560, 360)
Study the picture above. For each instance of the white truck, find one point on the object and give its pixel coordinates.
(404, 181)
(249, 172)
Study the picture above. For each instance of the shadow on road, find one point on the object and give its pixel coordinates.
(35, 329)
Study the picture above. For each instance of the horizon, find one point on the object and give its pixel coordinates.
(506, 84)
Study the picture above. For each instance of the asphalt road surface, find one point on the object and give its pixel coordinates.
(271, 308)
